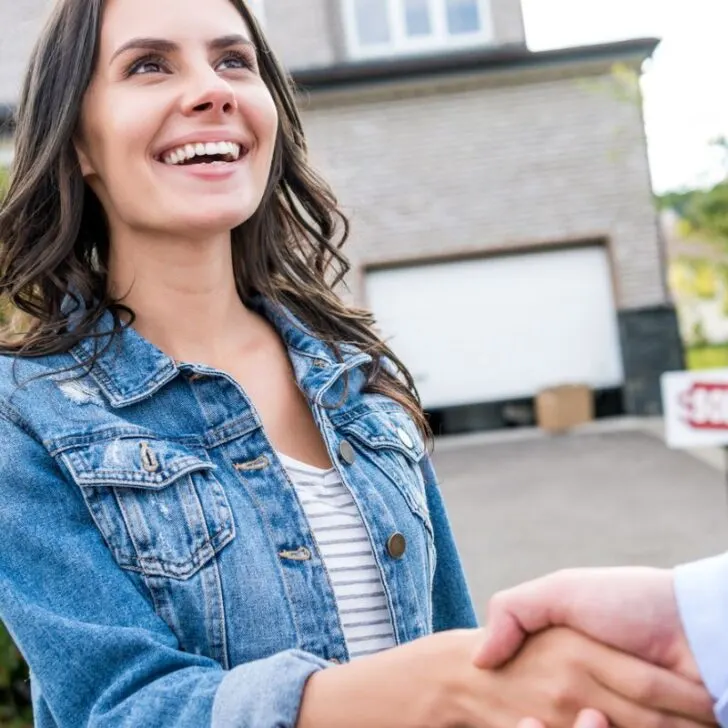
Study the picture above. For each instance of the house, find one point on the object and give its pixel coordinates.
(503, 226)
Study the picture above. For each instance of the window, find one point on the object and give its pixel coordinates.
(383, 27)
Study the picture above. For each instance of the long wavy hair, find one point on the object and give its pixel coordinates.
(55, 241)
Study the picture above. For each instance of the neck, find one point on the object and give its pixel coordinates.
(183, 295)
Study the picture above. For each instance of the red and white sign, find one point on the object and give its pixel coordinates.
(696, 408)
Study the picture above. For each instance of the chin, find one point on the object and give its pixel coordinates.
(201, 223)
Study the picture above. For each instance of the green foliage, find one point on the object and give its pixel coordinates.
(703, 212)
(707, 357)
(14, 685)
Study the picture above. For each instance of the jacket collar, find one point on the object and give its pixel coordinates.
(130, 368)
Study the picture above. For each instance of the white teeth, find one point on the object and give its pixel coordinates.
(211, 149)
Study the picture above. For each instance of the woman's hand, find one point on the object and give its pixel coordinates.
(559, 673)
(432, 683)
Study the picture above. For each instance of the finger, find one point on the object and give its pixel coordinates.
(624, 713)
(516, 613)
(532, 723)
(652, 687)
(502, 638)
(591, 719)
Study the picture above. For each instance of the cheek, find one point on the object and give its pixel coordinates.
(118, 140)
(263, 118)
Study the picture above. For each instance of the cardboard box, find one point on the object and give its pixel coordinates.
(558, 409)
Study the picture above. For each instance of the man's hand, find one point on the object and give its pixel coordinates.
(632, 609)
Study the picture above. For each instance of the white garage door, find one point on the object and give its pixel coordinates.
(501, 328)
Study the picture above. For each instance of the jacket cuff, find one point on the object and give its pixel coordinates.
(701, 590)
(265, 693)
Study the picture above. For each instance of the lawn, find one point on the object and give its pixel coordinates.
(707, 357)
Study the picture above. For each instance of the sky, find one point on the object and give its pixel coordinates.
(685, 84)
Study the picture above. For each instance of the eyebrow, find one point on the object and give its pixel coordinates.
(160, 45)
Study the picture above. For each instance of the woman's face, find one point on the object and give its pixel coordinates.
(177, 129)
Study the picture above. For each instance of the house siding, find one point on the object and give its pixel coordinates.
(301, 32)
(478, 166)
(20, 23)
(507, 18)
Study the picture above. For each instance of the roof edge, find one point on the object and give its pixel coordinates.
(485, 60)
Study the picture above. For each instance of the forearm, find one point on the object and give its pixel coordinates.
(416, 685)
(358, 695)
(343, 696)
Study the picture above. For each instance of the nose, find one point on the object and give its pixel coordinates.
(211, 95)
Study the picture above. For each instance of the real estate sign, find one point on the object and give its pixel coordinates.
(696, 408)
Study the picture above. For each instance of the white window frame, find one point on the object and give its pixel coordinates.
(401, 43)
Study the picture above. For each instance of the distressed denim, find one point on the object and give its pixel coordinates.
(156, 566)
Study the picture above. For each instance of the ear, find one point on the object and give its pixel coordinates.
(84, 160)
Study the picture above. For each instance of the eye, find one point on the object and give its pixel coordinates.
(235, 61)
(146, 65)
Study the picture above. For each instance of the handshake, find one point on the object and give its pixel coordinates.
(624, 660)
(584, 648)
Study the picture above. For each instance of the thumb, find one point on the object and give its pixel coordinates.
(531, 723)
(515, 614)
(502, 638)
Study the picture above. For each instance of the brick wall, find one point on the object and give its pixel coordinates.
(483, 164)
(507, 17)
(301, 32)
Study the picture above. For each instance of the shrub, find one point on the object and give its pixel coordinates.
(14, 685)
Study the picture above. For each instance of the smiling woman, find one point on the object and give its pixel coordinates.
(217, 506)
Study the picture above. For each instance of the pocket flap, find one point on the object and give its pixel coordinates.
(390, 429)
(135, 462)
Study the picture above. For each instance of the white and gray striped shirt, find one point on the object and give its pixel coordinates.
(347, 553)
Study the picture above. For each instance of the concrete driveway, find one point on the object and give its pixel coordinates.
(522, 505)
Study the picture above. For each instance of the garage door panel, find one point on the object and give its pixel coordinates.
(501, 328)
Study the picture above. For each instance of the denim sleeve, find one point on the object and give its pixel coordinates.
(452, 603)
(100, 655)
(701, 589)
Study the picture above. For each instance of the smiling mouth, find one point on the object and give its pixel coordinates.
(203, 153)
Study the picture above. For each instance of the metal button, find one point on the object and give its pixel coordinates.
(396, 545)
(346, 451)
(406, 439)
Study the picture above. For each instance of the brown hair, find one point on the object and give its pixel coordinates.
(53, 246)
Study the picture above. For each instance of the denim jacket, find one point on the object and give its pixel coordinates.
(156, 566)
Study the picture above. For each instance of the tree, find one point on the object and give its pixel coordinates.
(704, 212)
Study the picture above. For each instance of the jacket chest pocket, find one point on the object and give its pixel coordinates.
(395, 446)
(157, 503)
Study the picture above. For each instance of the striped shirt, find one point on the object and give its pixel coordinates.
(345, 548)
